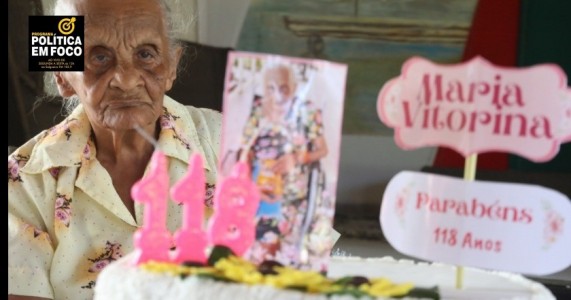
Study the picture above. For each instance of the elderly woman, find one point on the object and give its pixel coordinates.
(70, 212)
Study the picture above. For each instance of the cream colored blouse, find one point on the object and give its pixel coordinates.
(65, 220)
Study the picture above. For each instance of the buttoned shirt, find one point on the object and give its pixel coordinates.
(66, 222)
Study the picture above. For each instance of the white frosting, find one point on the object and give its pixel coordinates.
(123, 280)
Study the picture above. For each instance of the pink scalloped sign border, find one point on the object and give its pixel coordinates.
(476, 107)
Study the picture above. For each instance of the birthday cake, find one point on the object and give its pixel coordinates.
(284, 252)
(348, 278)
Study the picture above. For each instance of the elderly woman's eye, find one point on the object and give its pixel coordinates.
(146, 55)
(100, 58)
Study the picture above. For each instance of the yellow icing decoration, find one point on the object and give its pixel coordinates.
(242, 271)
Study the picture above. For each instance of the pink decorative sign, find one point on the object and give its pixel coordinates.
(477, 107)
(511, 227)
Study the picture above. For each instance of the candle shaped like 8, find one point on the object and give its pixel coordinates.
(235, 203)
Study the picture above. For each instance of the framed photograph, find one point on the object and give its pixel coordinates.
(283, 116)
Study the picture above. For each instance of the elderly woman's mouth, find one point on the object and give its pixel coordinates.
(116, 104)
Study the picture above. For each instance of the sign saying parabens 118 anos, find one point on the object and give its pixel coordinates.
(55, 43)
(512, 227)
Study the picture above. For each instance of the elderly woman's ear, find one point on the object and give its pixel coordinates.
(65, 89)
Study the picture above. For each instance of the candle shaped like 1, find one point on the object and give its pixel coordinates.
(153, 240)
(236, 200)
(191, 239)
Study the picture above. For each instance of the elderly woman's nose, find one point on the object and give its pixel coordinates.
(126, 77)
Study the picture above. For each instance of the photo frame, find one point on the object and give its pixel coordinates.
(283, 116)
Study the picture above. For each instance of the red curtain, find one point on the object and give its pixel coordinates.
(494, 36)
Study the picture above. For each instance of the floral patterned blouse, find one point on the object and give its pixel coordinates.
(268, 141)
(65, 220)
(284, 223)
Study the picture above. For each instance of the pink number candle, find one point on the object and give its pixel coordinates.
(191, 239)
(236, 200)
(153, 240)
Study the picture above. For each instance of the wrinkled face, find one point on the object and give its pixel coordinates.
(279, 88)
(128, 63)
